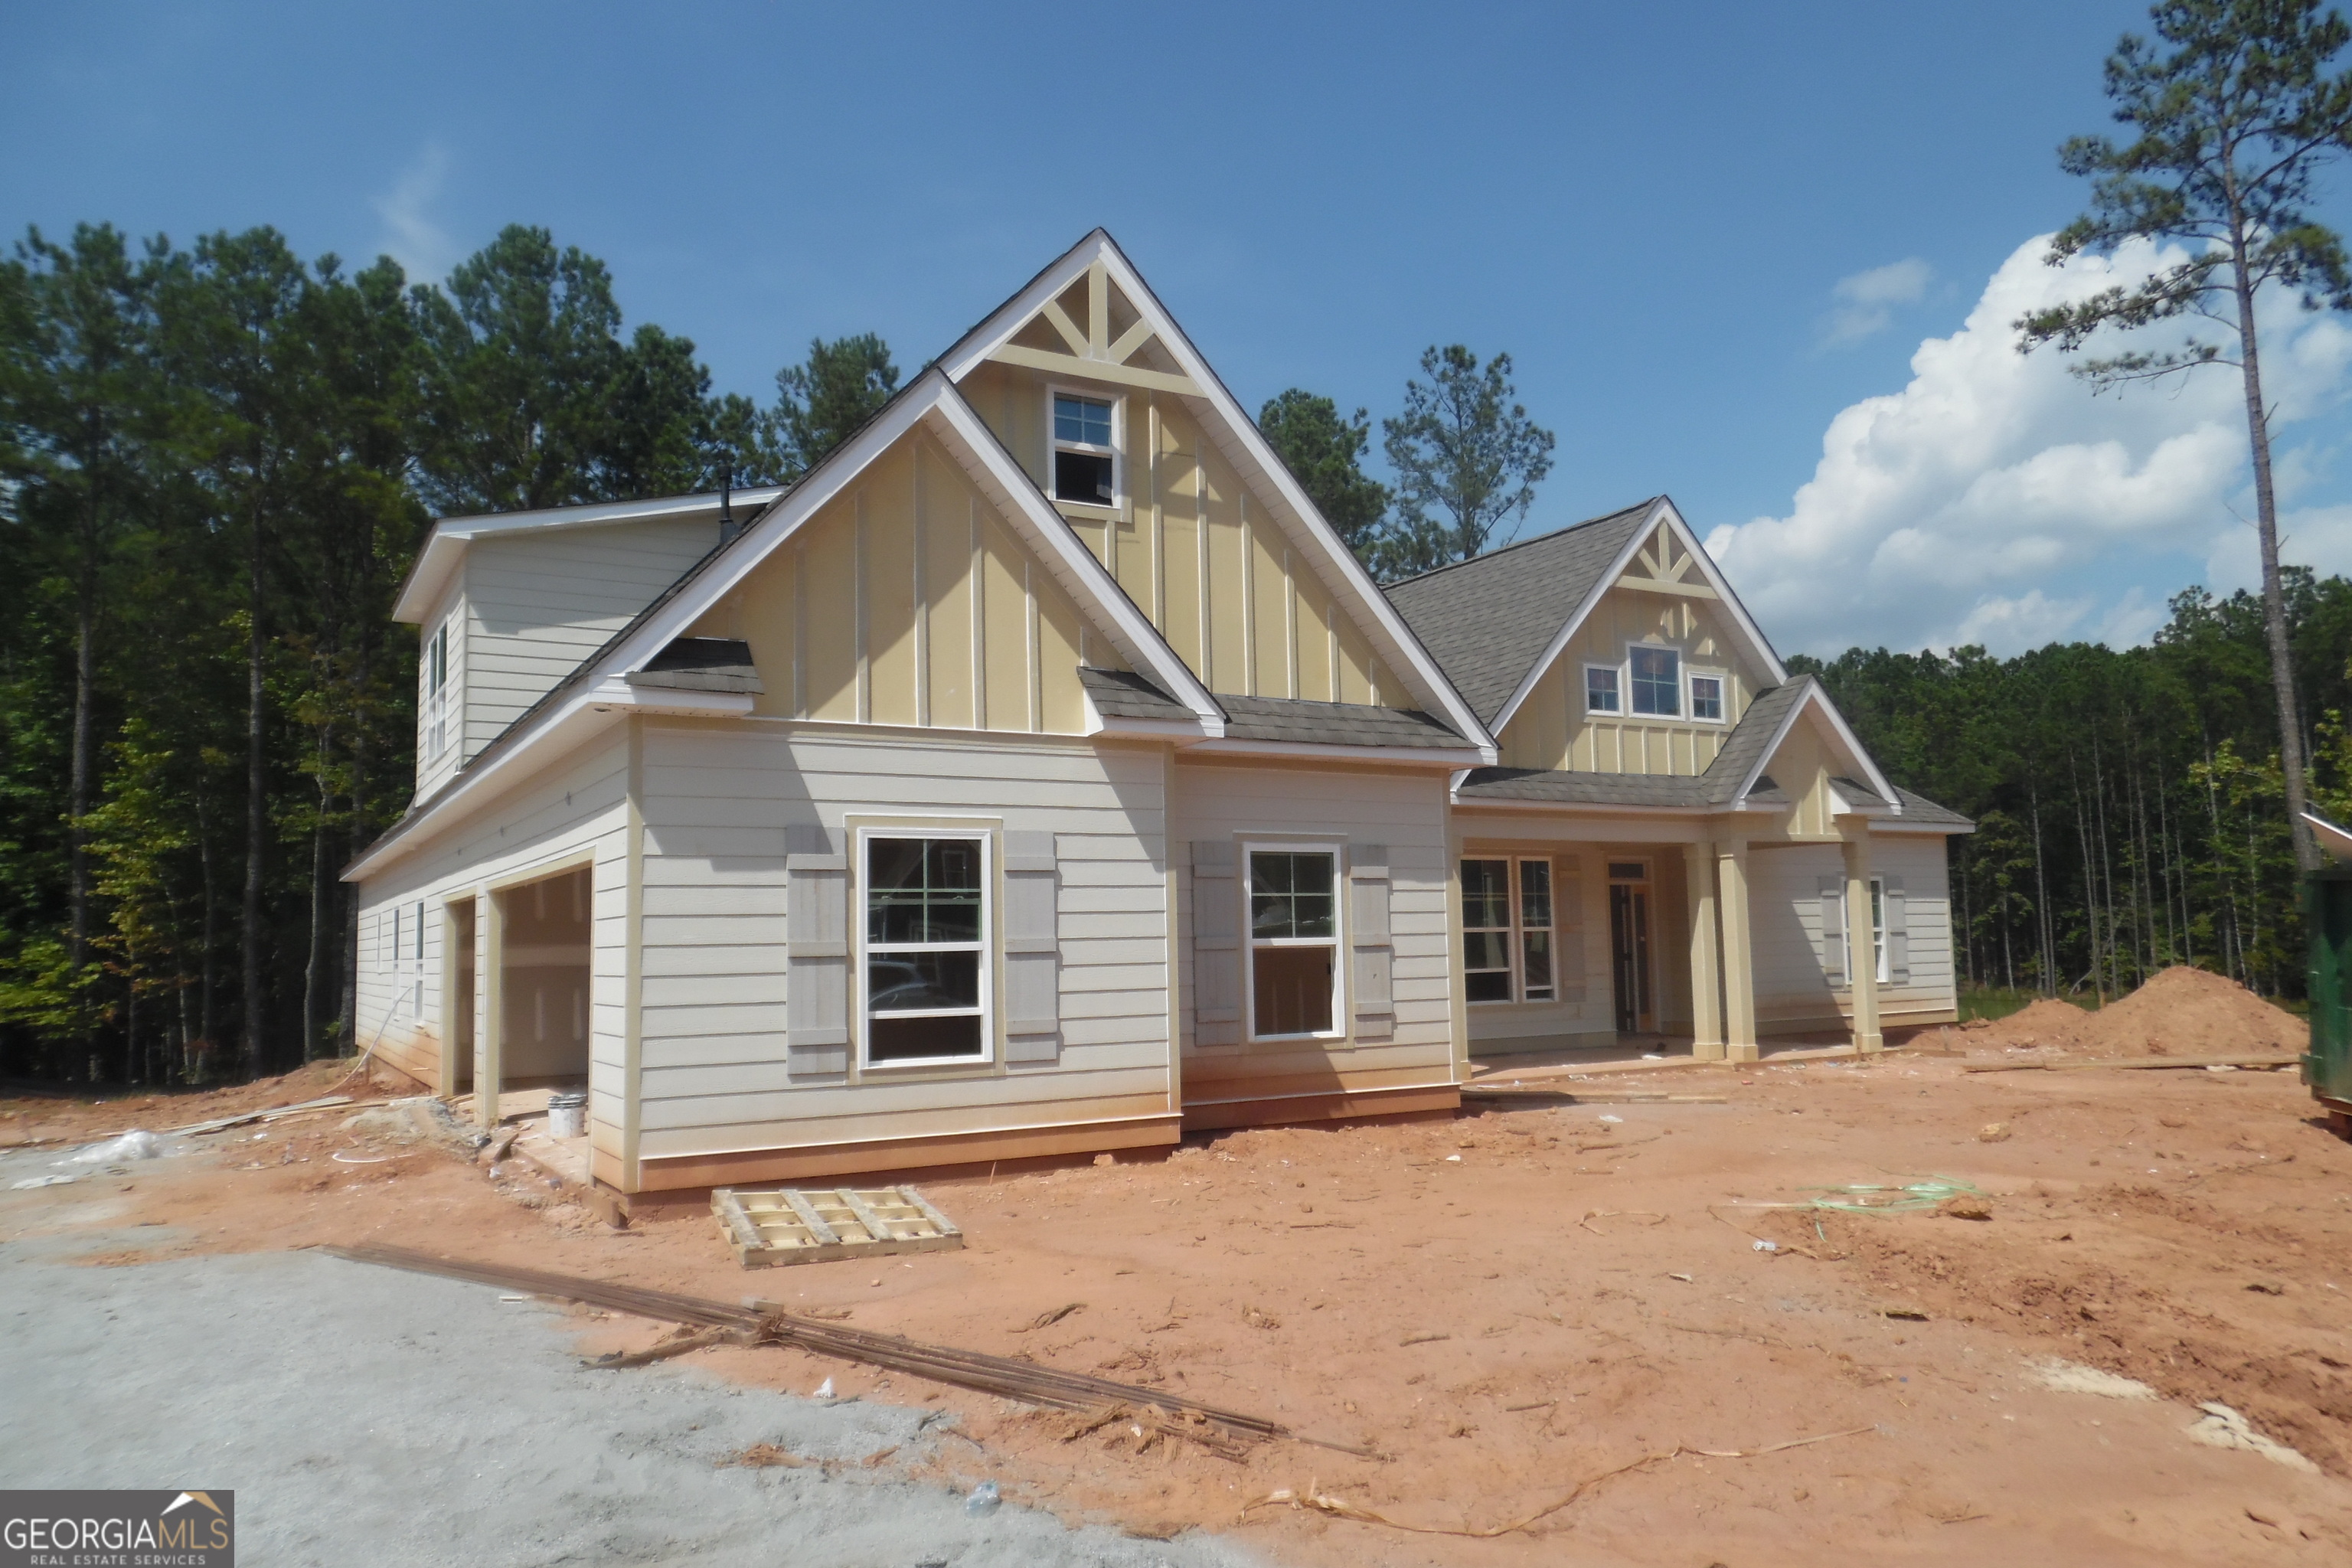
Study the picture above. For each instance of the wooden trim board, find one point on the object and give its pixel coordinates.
(675, 1172)
(1329, 1106)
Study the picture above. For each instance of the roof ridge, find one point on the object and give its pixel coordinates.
(1521, 544)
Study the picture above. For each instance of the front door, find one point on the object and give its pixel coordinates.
(1629, 946)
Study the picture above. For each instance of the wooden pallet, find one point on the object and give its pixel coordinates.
(823, 1225)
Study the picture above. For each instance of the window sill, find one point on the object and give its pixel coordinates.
(1087, 511)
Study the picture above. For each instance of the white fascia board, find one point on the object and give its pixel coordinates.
(444, 547)
(614, 691)
(1242, 442)
(1087, 580)
(1447, 757)
(1661, 511)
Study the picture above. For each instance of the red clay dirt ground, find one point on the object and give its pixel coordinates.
(1517, 1301)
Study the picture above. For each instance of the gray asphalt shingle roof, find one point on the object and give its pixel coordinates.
(1487, 620)
(1123, 694)
(1919, 808)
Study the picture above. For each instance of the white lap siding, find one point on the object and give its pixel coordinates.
(1402, 814)
(575, 810)
(719, 800)
(1793, 994)
(537, 603)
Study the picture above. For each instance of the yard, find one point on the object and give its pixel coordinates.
(1631, 1305)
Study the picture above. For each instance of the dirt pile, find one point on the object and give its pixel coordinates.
(2180, 1011)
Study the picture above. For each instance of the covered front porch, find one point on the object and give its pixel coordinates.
(1592, 937)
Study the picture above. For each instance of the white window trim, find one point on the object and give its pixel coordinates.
(1116, 451)
(1337, 941)
(1723, 695)
(859, 889)
(1627, 685)
(1516, 932)
(1617, 713)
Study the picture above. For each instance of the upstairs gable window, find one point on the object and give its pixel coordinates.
(1085, 468)
(1706, 697)
(1657, 681)
(1600, 689)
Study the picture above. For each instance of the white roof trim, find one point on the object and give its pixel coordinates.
(1661, 511)
(2335, 841)
(445, 546)
(1403, 648)
(1865, 764)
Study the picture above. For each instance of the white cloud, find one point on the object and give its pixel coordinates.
(1996, 499)
(409, 237)
(1866, 300)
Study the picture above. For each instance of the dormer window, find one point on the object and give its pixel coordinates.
(1657, 681)
(1085, 459)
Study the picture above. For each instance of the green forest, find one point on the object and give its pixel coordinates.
(216, 463)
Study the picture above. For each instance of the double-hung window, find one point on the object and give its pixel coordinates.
(1294, 943)
(926, 981)
(1706, 697)
(1657, 681)
(1600, 689)
(434, 661)
(1507, 930)
(1086, 461)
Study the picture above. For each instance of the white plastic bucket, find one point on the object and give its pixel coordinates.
(567, 1114)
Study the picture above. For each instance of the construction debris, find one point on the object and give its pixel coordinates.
(1339, 1508)
(826, 1225)
(1007, 1379)
(2274, 1061)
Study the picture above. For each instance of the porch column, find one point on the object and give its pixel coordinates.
(1739, 961)
(490, 998)
(1707, 974)
(1861, 958)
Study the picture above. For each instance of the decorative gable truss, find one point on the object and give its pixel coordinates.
(1661, 556)
(1116, 342)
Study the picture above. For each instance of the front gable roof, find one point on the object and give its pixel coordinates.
(1499, 621)
(1008, 334)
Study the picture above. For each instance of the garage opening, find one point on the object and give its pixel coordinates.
(543, 984)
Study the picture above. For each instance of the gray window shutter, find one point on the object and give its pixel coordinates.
(1374, 960)
(1568, 927)
(1834, 929)
(1032, 949)
(817, 935)
(1898, 933)
(1216, 946)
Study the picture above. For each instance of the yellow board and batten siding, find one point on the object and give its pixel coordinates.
(907, 600)
(1551, 728)
(1197, 548)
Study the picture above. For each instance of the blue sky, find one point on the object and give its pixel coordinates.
(1652, 208)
